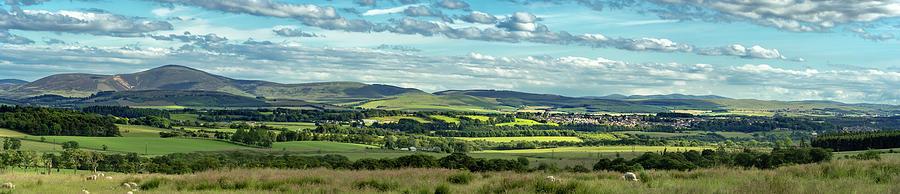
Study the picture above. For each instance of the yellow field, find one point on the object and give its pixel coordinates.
(509, 139)
(526, 122)
(478, 117)
(599, 149)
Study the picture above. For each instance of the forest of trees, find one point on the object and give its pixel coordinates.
(748, 125)
(125, 112)
(849, 141)
(710, 158)
(289, 115)
(51, 121)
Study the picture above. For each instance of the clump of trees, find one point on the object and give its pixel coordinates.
(52, 121)
(848, 141)
(709, 158)
(126, 112)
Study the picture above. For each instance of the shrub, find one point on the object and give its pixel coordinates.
(868, 155)
(378, 185)
(153, 183)
(544, 186)
(442, 189)
(461, 178)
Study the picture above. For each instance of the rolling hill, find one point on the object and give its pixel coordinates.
(170, 98)
(667, 96)
(174, 77)
(174, 85)
(563, 103)
(12, 82)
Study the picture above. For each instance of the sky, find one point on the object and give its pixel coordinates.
(840, 50)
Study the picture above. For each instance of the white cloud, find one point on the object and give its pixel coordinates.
(399, 9)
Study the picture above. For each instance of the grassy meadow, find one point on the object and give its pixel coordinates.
(509, 139)
(840, 176)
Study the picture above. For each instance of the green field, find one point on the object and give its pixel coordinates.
(885, 153)
(431, 102)
(153, 145)
(525, 122)
(319, 145)
(653, 134)
(397, 118)
(599, 149)
(509, 139)
(184, 117)
(445, 118)
(10, 133)
(292, 125)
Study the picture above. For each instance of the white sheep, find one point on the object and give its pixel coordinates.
(129, 192)
(630, 176)
(8, 185)
(553, 179)
(92, 177)
(126, 186)
(100, 174)
(108, 177)
(85, 191)
(134, 186)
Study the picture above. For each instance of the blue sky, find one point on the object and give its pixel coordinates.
(775, 50)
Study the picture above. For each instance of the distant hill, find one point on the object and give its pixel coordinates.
(169, 98)
(12, 81)
(174, 77)
(556, 102)
(667, 96)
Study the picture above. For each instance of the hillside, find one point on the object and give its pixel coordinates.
(174, 77)
(171, 98)
(667, 96)
(12, 82)
(431, 102)
(563, 103)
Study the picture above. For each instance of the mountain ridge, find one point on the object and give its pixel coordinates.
(176, 77)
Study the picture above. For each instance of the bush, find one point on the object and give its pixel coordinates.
(461, 178)
(868, 155)
(442, 189)
(544, 186)
(153, 183)
(375, 184)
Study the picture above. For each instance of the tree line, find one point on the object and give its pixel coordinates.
(52, 121)
(847, 141)
(710, 158)
(125, 112)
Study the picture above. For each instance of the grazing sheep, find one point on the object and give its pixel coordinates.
(126, 186)
(129, 192)
(553, 179)
(92, 177)
(85, 191)
(134, 186)
(630, 176)
(8, 185)
(108, 178)
(100, 174)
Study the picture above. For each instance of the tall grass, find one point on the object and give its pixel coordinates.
(839, 176)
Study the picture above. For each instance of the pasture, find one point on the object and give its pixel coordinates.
(143, 145)
(445, 118)
(509, 139)
(397, 118)
(319, 145)
(10, 133)
(841, 176)
(525, 122)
